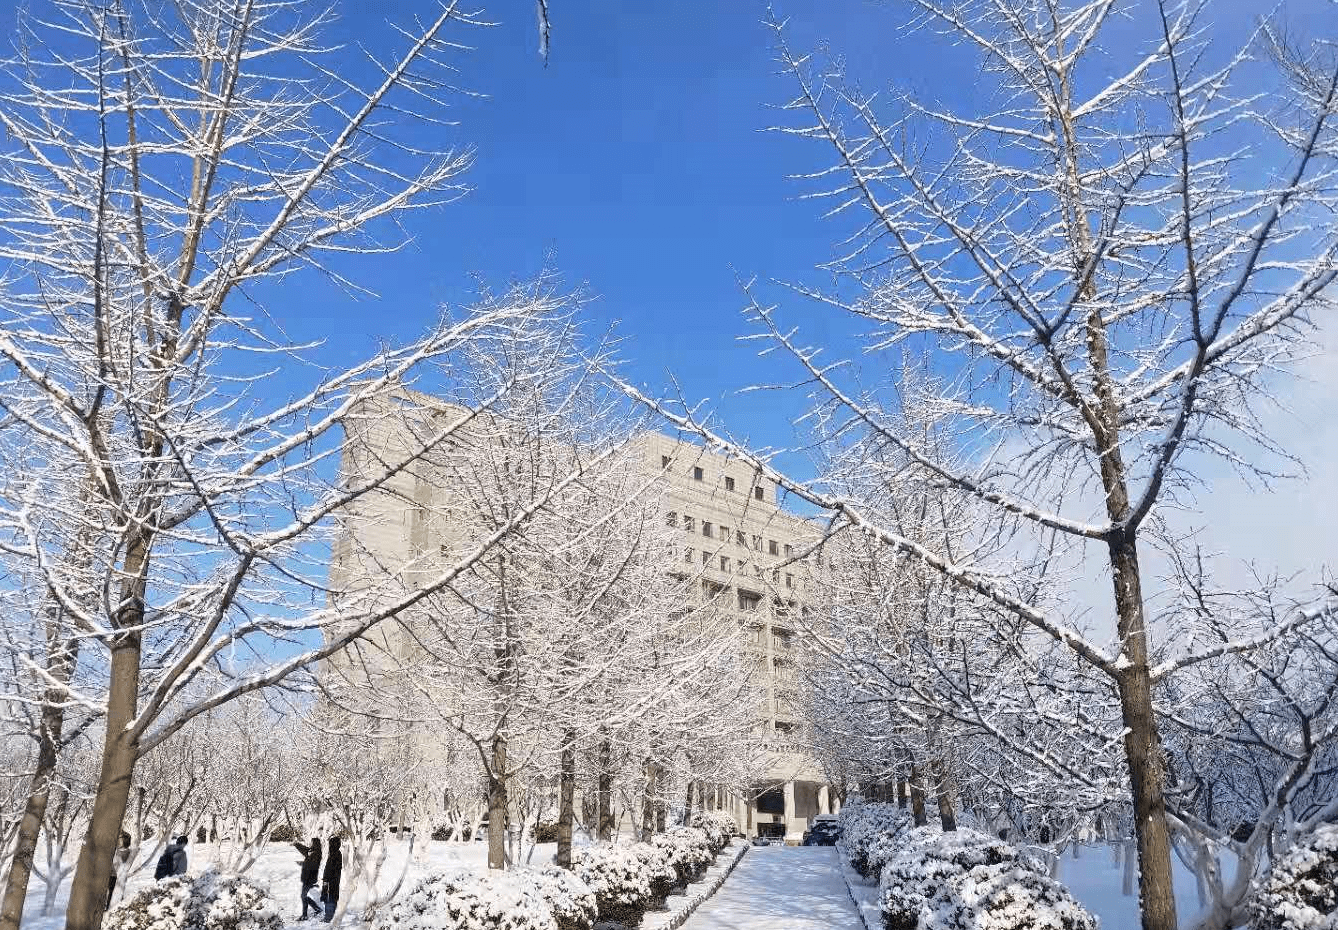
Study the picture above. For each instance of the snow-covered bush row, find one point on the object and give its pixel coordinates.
(468, 900)
(618, 877)
(717, 825)
(1300, 891)
(660, 872)
(871, 833)
(570, 899)
(208, 901)
(966, 880)
(688, 850)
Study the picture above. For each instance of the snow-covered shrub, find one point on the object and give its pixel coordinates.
(467, 900)
(718, 826)
(868, 826)
(688, 850)
(570, 899)
(1300, 891)
(618, 878)
(209, 901)
(965, 880)
(660, 871)
(1015, 896)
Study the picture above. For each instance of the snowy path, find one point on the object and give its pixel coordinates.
(781, 887)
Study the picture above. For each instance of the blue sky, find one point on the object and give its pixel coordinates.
(636, 159)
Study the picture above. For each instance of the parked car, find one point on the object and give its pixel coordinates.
(824, 832)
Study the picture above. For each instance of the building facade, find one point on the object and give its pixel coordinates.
(746, 553)
(753, 557)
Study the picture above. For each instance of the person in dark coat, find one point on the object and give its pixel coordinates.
(334, 868)
(173, 853)
(311, 873)
(179, 857)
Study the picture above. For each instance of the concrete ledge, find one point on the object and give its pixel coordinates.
(862, 894)
(697, 893)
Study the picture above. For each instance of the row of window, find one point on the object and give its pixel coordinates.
(727, 564)
(712, 531)
(699, 474)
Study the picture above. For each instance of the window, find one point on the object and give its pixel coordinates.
(775, 576)
(706, 557)
(773, 547)
(689, 523)
(749, 602)
(789, 550)
(784, 728)
(740, 539)
(789, 580)
(757, 543)
(724, 534)
(664, 461)
(759, 493)
(724, 563)
(671, 519)
(697, 473)
(707, 531)
(687, 554)
(729, 483)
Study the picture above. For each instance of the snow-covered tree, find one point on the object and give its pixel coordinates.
(168, 174)
(572, 636)
(1109, 262)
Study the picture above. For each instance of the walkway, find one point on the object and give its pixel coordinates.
(787, 888)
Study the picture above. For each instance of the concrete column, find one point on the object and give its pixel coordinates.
(789, 809)
(824, 800)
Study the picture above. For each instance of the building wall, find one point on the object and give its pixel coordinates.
(746, 550)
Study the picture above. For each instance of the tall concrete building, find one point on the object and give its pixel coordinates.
(752, 556)
(730, 533)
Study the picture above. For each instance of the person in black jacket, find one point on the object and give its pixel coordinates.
(334, 868)
(311, 871)
(179, 857)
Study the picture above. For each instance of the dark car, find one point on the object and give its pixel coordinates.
(823, 833)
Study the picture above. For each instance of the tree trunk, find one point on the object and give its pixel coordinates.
(902, 799)
(687, 804)
(497, 805)
(1130, 869)
(34, 811)
(918, 799)
(566, 801)
(946, 815)
(604, 790)
(1142, 743)
(648, 805)
(88, 894)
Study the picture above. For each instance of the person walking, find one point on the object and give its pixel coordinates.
(311, 871)
(334, 869)
(166, 866)
(179, 857)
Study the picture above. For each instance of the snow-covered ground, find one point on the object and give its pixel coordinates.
(794, 887)
(774, 886)
(277, 867)
(1094, 879)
